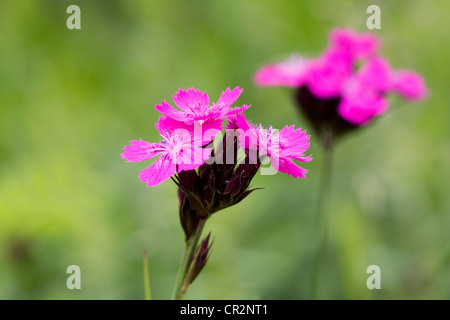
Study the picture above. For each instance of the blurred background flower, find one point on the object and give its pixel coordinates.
(70, 99)
(335, 95)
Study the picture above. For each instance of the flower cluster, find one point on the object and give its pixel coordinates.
(210, 179)
(346, 86)
(188, 134)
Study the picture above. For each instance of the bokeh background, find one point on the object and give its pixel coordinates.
(70, 100)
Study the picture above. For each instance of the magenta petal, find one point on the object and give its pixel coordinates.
(169, 111)
(168, 124)
(189, 99)
(359, 108)
(329, 73)
(195, 108)
(288, 166)
(289, 73)
(140, 150)
(212, 125)
(237, 121)
(280, 146)
(248, 134)
(356, 45)
(269, 76)
(410, 85)
(237, 110)
(303, 158)
(196, 159)
(158, 172)
(376, 74)
(208, 114)
(227, 98)
(367, 45)
(209, 129)
(248, 139)
(294, 143)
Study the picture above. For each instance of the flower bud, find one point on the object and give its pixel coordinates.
(200, 259)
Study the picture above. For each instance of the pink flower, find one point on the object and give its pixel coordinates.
(292, 72)
(194, 106)
(409, 85)
(363, 94)
(335, 66)
(202, 133)
(334, 85)
(180, 150)
(325, 75)
(329, 73)
(357, 46)
(360, 105)
(376, 74)
(280, 146)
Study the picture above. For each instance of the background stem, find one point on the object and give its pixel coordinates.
(321, 218)
(148, 295)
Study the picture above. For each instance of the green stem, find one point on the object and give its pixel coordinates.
(148, 295)
(321, 219)
(188, 255)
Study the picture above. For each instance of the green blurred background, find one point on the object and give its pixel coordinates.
(70, 100)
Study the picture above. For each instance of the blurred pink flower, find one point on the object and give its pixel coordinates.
(361, 93)
(292, 72)
(409, 85)
(356, 46)
(376, 74)
(361, 104)
(328, 74)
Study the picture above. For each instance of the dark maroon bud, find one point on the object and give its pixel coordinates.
(323, 115)
(248, 171)
(235, 184)
(201, 257)
(204, 171)
(216, 186)
(244, 194)
(189, 180)
(209, 190)
(188, 215)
